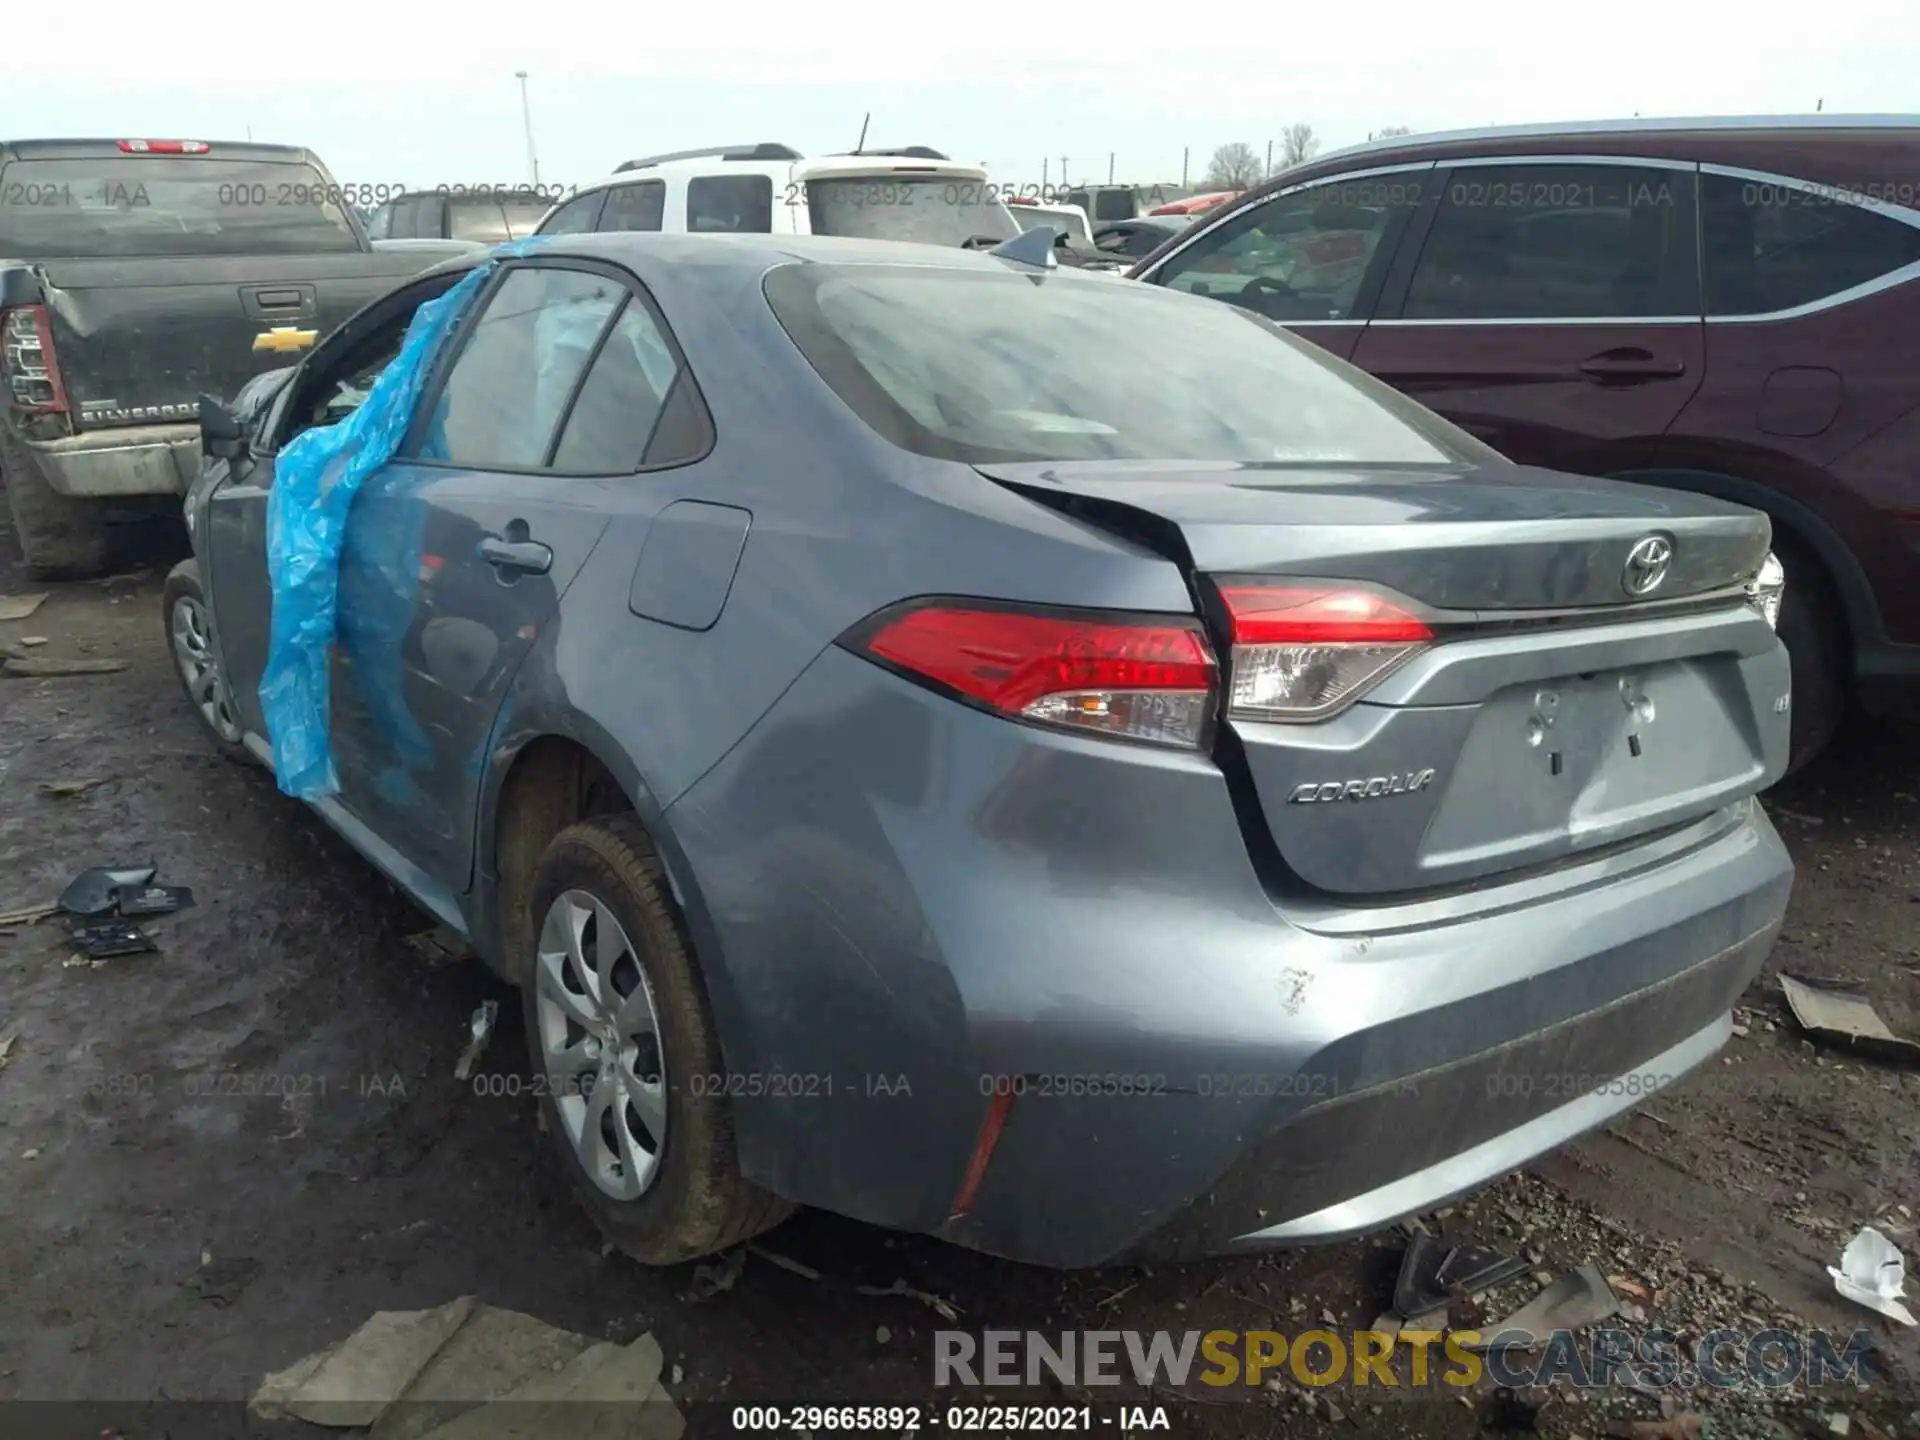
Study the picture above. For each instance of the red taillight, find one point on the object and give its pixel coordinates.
(164, 147)
(1138, 680)
(26, 358)
(1307, 651)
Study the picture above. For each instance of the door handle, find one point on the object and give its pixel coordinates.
(528, 555)
(1630, 364)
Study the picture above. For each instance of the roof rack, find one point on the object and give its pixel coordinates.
(908, 152)
(765, 150)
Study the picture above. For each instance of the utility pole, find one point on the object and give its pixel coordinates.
(1063, 172)
(1109, 167)
(1819, 105)
(1183, 167)
(1043, 174)
(526, 116)
(1269, 170)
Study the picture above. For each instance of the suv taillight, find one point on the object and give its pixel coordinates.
(1305, 650)
(26, 360)
(1145, 679)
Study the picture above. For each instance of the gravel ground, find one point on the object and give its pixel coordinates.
(158, 1241)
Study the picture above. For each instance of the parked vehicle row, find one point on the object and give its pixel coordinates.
(1727, 307)
(136, 275)
(1080, 811)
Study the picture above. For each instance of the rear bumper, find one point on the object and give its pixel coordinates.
(906, 909)
(101, 464)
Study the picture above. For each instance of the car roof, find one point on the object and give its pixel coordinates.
(95, 149)
(655, 250)
(683, 166)
(1637, 125)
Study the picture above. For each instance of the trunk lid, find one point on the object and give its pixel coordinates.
(1553, 712)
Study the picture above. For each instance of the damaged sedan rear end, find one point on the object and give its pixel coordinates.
(936, 769)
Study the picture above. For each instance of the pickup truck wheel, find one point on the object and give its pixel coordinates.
(1816, 639)
(61, 538)
(623, 1047)
(196, 660)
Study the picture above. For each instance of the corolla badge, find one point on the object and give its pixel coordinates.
(1370, 788)
(1647, 565)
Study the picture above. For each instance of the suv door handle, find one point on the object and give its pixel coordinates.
(1630, 364)
(528, 555)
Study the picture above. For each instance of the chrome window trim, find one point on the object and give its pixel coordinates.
(1659, 125)
(1892, 278)
(1530, 320)
(1467, 162)
(1198, 232)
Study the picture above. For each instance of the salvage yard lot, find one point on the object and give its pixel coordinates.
(166, 1230)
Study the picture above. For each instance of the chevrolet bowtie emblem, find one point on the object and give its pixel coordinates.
(284, 338)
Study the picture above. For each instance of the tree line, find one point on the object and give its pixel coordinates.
(1237, 165)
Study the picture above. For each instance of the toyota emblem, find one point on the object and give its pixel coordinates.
(1647, 565)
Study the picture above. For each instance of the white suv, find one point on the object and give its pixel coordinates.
(912, 194)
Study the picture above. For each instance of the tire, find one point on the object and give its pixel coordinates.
(1815, 634)
(692, 1199)
(188, 622)
(61, 538)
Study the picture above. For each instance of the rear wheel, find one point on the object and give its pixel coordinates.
(61, 538)
(196, 659)
(1815, 634)
(619, 1032)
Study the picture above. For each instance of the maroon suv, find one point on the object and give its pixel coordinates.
(1730, 306)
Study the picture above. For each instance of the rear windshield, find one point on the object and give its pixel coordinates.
(933, 209)
(133, 205)
(985, 365)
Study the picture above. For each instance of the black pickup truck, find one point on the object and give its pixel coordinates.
(136, 275)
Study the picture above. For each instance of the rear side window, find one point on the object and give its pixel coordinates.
(639, 206)
(931, 209)
(742, 204)
(380, 222)
(1554, 242)
(509, 385)
(477, 218)
(1773, 246)
(1304, 256)
(614, 416)
(134, 205)
(577, 216)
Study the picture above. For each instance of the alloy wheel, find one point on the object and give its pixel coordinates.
(193, 652)
(600, 1044)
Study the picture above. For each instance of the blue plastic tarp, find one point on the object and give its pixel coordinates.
(315, 481)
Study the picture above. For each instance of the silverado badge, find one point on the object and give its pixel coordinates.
(284, 339)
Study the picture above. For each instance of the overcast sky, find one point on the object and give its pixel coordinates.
(425, 94)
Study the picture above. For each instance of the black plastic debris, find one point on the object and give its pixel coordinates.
(105, 939)
(94, 892)
(152, 899)
(1434, 1273)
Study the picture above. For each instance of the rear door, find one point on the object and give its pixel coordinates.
(1314, 257)
(169, 276)
(1552, 308)
(457, 554)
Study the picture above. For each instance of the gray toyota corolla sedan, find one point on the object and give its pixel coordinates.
(918, 760)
